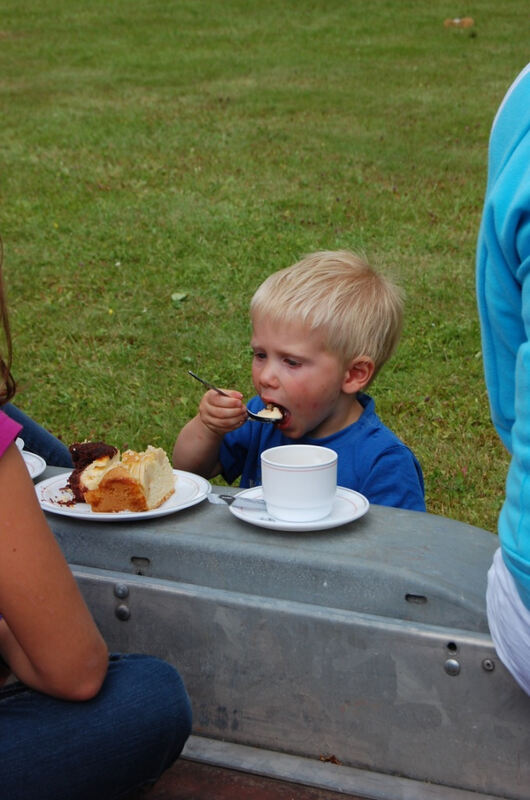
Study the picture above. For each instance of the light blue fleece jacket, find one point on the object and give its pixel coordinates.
(503, 295)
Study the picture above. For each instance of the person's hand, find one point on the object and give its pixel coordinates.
(221, 413)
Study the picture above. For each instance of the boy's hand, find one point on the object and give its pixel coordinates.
(221, 413)
(198, 444)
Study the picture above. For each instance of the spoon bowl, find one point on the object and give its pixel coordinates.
(259, 418)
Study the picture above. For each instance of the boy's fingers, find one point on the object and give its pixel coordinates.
(232, 401)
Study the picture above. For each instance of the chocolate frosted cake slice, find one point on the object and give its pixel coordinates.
(84, 455)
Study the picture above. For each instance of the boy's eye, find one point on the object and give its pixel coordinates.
(258, 355)
(291, 362)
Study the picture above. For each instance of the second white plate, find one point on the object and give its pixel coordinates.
(35, 463)
(55, 497)
(348, 506)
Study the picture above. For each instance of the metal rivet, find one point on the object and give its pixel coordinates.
(121, 590)
(452, 666)
(122, 612)
(488, 665)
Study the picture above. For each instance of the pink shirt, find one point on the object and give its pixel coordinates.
(9, 431)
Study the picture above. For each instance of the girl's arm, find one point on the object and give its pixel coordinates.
(47, 635)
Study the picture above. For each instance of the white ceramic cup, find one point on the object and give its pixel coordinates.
(299, 481)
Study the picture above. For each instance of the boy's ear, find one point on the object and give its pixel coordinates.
(358, 375)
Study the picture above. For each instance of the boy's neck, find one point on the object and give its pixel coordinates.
(348, 411)
(356, 410)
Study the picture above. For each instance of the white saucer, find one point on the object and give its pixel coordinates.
(348, 506)
(35, 464)
(54, 496)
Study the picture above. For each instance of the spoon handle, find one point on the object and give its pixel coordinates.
(254, 503)
(207, 383)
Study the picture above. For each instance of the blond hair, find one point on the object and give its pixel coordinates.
(359, 310)
(7, 382)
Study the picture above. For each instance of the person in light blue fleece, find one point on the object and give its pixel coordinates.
(503, 295)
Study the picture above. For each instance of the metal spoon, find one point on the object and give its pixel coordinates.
(251, 414)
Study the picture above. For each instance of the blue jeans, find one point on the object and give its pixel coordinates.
(104, 748)
(38, 440)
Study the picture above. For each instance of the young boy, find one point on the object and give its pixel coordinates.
(322, 329)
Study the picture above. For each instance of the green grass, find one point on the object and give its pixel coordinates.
(157, 148)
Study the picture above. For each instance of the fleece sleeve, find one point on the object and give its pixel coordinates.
(503, 294)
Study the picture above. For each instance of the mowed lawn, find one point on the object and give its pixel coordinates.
(159, 159)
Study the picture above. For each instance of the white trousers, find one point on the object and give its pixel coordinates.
(509, 622)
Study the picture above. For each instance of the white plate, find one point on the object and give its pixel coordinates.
(53, 496)
(348, 505)
(35, 464)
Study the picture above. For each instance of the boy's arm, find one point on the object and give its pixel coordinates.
(197, 449)
(199, 442)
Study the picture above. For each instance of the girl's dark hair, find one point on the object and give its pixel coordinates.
(7, 382)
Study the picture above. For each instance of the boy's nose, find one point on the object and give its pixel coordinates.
(268, 376)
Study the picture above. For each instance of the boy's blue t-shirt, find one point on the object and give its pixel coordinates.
(371, 459)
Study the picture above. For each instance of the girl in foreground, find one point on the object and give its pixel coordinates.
(74, 723)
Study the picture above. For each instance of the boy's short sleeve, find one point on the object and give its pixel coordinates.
(232, 457)
(236, 453)
(395, 479)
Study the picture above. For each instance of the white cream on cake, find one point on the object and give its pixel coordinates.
(153, 472)
(91, 476)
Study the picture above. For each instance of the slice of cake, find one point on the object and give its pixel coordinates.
(117, 491)
(136, 482)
